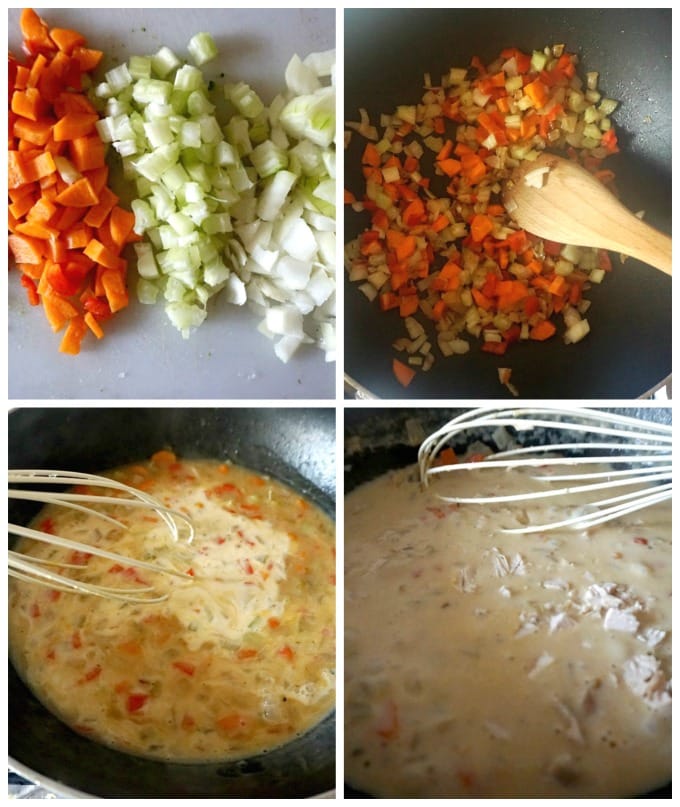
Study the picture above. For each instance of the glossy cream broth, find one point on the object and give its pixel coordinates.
(479, 663)
(239, 658)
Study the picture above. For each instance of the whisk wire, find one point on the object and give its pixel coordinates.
(27, 571)
(138, 498)
(642, 447)
(30, 569)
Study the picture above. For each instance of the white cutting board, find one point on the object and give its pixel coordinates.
(143, 356)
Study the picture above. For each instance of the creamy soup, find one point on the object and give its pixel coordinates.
(480, 663)
(239, 658)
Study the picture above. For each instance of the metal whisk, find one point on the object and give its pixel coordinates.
(36, 570)
(636, 451)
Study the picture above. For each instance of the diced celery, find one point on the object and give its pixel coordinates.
(236, 132)
(514, 83)
(144, 216)
(457, 75)
(202, 48)
(245, 99)
(118, 78)
(146, 263)
(185, 317)
(607, 106)
(158, 133)
(210, 129)
(188, 78)
(147, 292)
(215, 272)
(164, 62)
(226, 154)
(197, 104)
(180, 223)
(151, 90)
(139, 67)
(538, 61)
(175, 178)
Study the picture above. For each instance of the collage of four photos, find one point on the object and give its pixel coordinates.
(339, 403)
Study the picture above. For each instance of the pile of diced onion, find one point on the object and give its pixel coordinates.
(416, 131)
(242, 206)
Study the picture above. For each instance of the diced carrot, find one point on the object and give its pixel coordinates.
(165, 458)
(232, 723)
(40, 166)
(28, 103)
(50, 115)
(31, 289)
(73, 125)
(80, 194)
(371, 156)
(87, 58)
(102, 255)
(26, 249)
(387, 722)
(87, 152)
(53, 306)
(408, 305)
(537, 93)
(450, 166)
(35, 31)
(36, 229)
(22, 207)
(558, 286)
(97, 214)
(35, 132)
(480, 227)
(65, 39)
(473, 168)
(67, 102)
(121, 223)
(78, 236)
(16, 170)
(402, 372)
(542, 330)
(36, 70)
(97, 177)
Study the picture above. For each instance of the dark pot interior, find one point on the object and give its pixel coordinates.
(380, 440)
(296, 446)
(628, 352)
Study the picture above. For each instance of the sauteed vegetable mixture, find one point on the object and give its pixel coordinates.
(441, 248)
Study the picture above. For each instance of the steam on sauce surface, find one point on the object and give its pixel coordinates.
(479, 663)
(240, 658)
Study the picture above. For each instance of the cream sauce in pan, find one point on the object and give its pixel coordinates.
(479, 663)
(238, 659)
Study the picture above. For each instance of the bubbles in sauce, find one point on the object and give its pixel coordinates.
(238, 659)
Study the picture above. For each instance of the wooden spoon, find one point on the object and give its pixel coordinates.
(570, 206)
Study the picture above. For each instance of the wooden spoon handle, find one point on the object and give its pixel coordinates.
(634, 237)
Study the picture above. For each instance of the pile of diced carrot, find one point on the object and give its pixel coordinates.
(67, 230)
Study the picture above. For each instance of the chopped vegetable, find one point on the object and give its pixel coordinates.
(403, 373)
(67, 231)
(246, 209)
(441, 246)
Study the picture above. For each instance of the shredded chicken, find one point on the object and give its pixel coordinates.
(645, 678)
